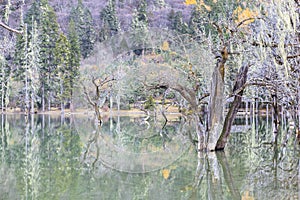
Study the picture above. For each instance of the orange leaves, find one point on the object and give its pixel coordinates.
(190, 2)
(165, 173)
(246, 196)
(200, 4)
(244, 14)
(165, 46)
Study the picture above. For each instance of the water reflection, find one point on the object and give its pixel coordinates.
(48, 157)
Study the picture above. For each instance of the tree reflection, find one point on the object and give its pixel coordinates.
(213, 178)
(46, 158)
(43, 154)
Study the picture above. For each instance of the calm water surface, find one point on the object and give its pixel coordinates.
(128, 158)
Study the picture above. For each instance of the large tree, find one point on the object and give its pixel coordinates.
(74, 62)
(62, 56)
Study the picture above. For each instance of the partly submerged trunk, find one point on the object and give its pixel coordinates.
(238, 91)
(216, 103)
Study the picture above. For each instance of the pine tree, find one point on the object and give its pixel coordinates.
(139, 26)
(176, 22)
(62, 60)
(208, 11)
(48, 29)
(5, 72)
(27, 59)
(84, 27)
(110, 21)
(74, 62)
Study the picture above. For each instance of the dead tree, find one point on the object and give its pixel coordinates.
(100, 85)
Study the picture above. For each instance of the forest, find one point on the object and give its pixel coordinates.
(207, 58)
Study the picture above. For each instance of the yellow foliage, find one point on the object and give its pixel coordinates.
(201, 3)
(190, 2)
(166, 173)
(243, 14)
(165, 46)
(208, 8)
(246, 196)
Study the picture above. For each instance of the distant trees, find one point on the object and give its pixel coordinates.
(110, 21)
(84, 27)
(139, 26)
(47, 62)
(176, 22)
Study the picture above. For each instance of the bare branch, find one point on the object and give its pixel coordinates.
(88, 96)
(293, 56)
(10, 29)
(204, 96)
(246, 20)
(219, 31)
(273, 44)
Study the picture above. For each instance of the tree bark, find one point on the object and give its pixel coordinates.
(43, 98)
(216, 102)
(240, 81)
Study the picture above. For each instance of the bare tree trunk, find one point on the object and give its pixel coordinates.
(216, 103)
(240, 81)
(49, 101)
(32, 103)
(275, 114)
(62, 102)
(2, 87)
(72, 102)
(43, 98)
(298, 110)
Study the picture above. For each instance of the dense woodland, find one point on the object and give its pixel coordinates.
(197, 55)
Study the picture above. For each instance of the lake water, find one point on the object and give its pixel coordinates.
(53, 158)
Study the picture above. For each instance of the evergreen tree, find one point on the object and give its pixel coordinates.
(160, 3)
(5, 73)
(48, 38)
(74, 61)
(176, 22)
(85, 28)
(204, 13)
(27, 59)
(139, 26)
(62, 56)
(110, 21)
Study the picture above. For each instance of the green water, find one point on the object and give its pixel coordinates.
(128, 158)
